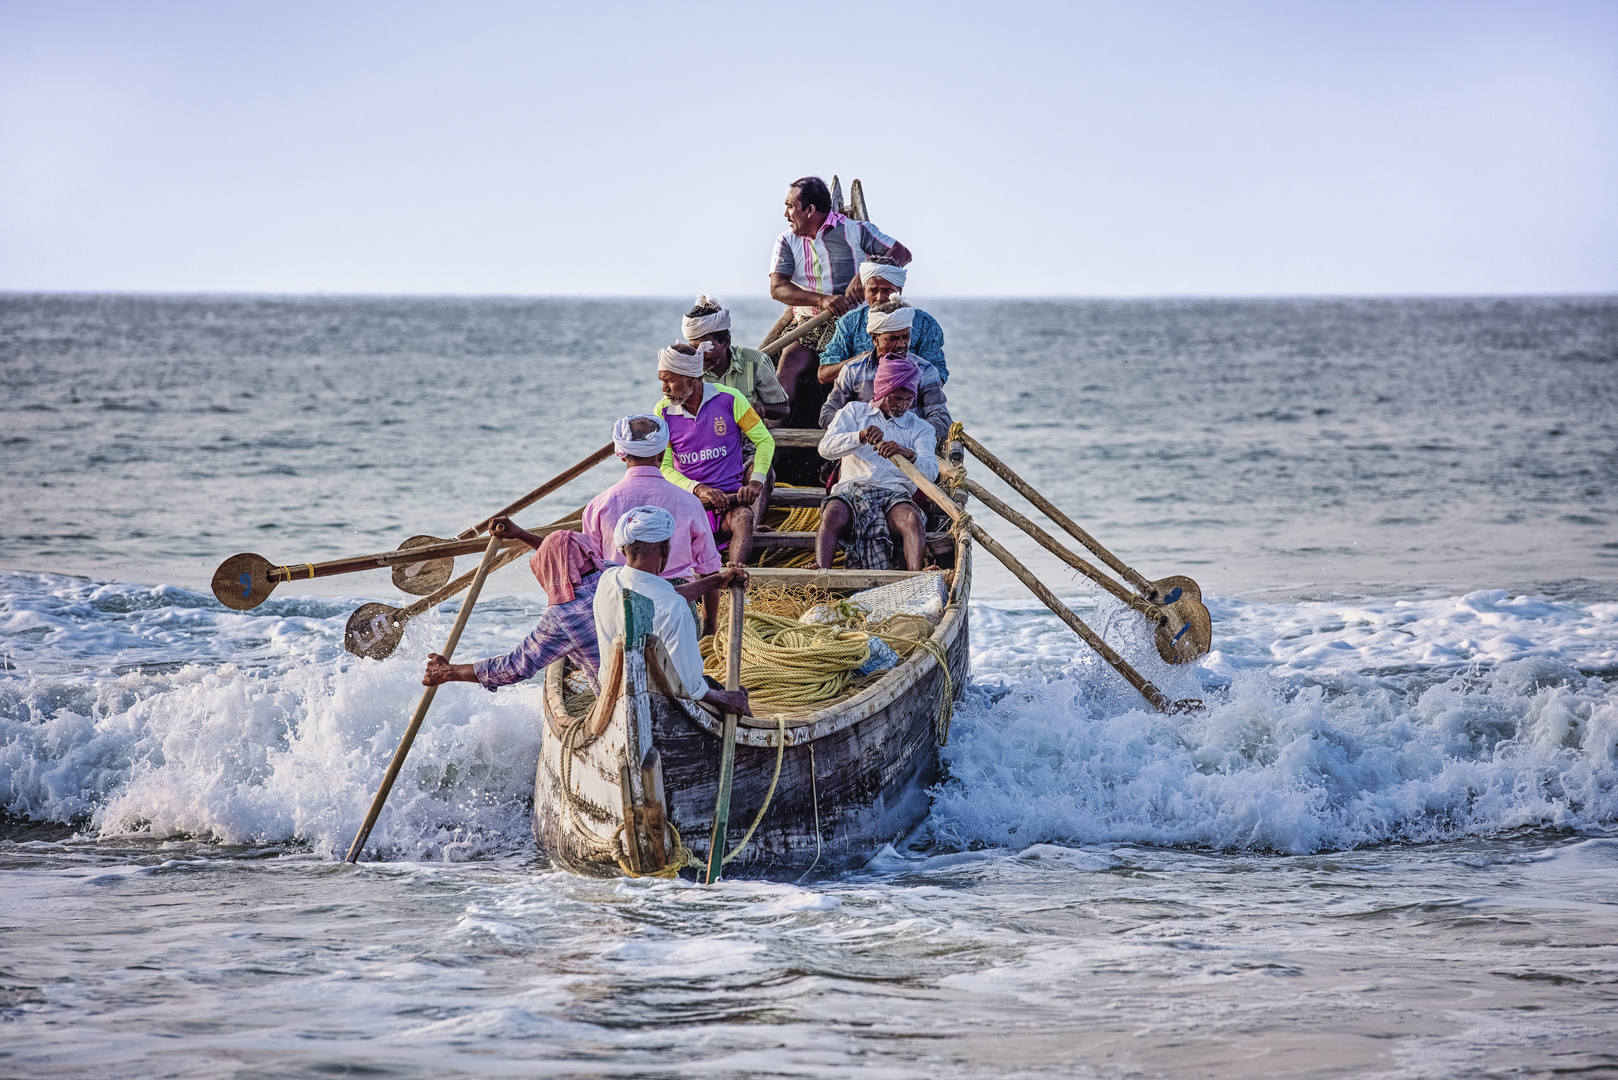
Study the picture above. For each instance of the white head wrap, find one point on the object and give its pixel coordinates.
(703, 325)
(644, 524)
(895, 274)
(624, 441)
(672, 359)
(877, 322)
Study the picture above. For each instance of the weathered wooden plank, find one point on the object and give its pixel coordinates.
(829, 579)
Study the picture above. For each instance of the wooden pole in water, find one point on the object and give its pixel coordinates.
(1158, 699)
(422, 706)
(1028, 491)
(727, 746)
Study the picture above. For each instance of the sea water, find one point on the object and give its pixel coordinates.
(1389, 846)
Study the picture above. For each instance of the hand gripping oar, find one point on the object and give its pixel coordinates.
(399, 755)
(1158, 592)
(727, 745)
(1183, 631)
(421, 565)
(1151, 693)
(374, 629)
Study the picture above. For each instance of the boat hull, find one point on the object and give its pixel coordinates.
(854, 777)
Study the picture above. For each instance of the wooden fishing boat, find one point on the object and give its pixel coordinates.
(627, 784)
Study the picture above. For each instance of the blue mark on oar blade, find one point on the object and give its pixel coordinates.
(247, 585)
(1172, 596)
(1181, 634)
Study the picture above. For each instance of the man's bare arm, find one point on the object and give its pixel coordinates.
(782, 289)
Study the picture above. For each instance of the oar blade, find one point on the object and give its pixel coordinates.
(1162, 590)
(419, 579)
(1188, 635)
(373, 631)
(242, 581)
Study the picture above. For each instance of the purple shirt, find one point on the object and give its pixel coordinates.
(564, 630)
(691, 549)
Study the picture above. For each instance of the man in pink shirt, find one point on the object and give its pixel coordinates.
(640, 441)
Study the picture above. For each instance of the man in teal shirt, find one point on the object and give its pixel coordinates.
(883, 281)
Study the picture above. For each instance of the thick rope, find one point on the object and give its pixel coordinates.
(681, 858)
(780, 754)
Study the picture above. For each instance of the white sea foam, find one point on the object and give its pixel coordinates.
(138, 711)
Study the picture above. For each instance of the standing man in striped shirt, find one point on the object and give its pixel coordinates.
(815, 268)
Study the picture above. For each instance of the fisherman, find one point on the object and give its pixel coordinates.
(568, 569)
(643, 535)
(640, 441)
(813, 269)
(883, 282)
(872, 499)
(707, 329)
(889, 325)
(707, 426)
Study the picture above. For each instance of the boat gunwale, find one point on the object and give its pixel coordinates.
(832, 718)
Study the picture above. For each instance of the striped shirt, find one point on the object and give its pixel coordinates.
(857, 382)
(826, 262)
(564, 630)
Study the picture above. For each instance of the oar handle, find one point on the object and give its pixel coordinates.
(1151, 693)
(1049, 543)
(1048, 508)
(815, 323)
(399, 755)
(449, 549)
(510, 555)
(727, 745)
(561, 479)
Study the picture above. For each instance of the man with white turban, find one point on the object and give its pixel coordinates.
(814, 268)
(883, 282)
(641, 441)
(890, 325)
(872, 500)
(707, 329)
(641, 537)
(710, 427)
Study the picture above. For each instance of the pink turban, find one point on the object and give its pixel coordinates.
(895, 373)
(560, 563)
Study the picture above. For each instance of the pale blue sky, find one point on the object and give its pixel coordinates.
(1076, 149)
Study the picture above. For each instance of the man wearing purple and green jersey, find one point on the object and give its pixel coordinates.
(710, 427)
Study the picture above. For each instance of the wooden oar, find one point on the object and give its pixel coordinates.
(245, 581)
(775, 347)
(374, 630)
(1158, 592)
(1183, 631)
(421, 565)
(399, 755)
(727, 745)
(1151, 693)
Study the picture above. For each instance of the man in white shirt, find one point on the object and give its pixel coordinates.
(643, 536)
(872, 499)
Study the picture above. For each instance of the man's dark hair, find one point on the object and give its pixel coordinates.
(710, 308)
(642, 426)
(646, 549)
(890, 306)
(813, 190)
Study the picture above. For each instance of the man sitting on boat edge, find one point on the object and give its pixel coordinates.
(707, 423)
(872, 499)
(740, 368)
(883, 282)
(568, 570)
(640, 442)
(642, 536)
(889, 325)
(814, 267)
